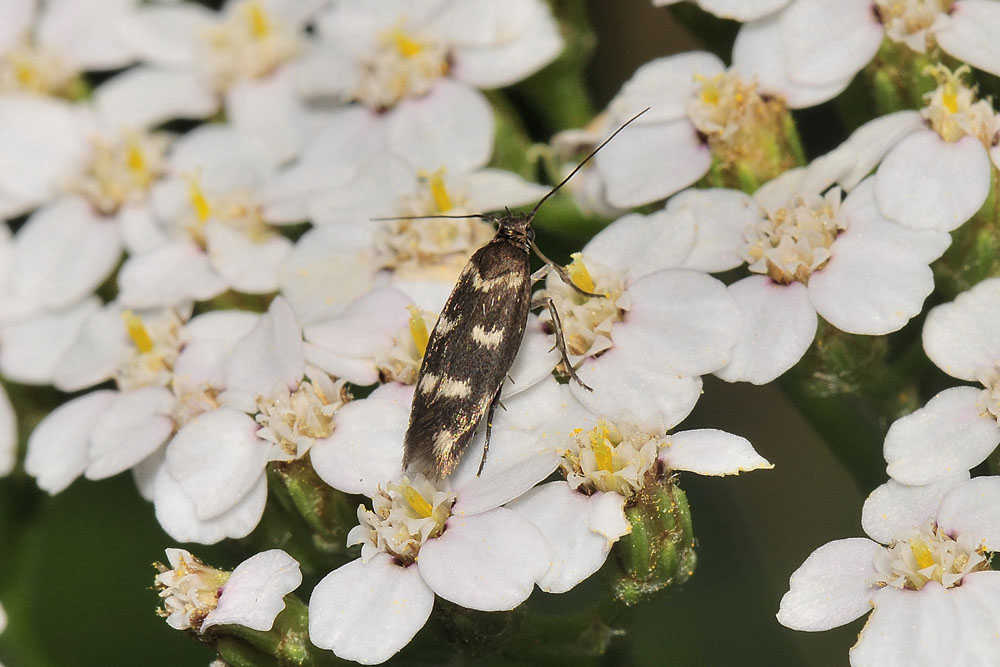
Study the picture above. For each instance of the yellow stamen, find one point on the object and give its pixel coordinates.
(579, 274)
(439, 192)
(417, 501)
(599, 443)
(137, 331)
(418, 329)
(407, 46)
(198, 201)
(260, 25)
(921, 552)
(135, 159)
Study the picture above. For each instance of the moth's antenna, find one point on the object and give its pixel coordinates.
(481, 216)
(580, 166)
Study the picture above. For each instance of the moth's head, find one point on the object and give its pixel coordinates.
(516, 227)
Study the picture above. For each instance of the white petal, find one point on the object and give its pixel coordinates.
(831, 587)
(738, 10)
(367, 612)
(535, 359)
(245, 264)
(945, 437)
(254, 594)
(665, 85)
(863, 150)
(626, 388)
(268, 357)
(486, 562)
(926, 182)
(969, 34)
(18, 16)
(969, 509)
(711, 452)
(98, 350)
(269, 111)
(218, 460)
(57, 448)
(779, 324)
(680, 320)
(31, 348)
(452, 126)
(894, 508)
(145, 96)
(492, 189)
(962, 337)
(168, 275)
(87, 33)
(176, 512)
(130, 429)
(209, 339)
(8, 434)
(167, 34)
(636, 245)
(851, 37)
(366, 447)
(720, 217)
(646, 163)
(566, 519)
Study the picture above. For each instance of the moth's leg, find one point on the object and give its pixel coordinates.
(560, 338)
(563, 275)
(489, 428)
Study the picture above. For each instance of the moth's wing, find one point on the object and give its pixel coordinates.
(469, 353)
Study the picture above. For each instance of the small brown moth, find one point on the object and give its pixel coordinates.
(476, 338)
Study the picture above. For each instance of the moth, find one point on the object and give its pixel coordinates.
(476, 337)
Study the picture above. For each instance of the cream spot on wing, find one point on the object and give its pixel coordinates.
(455, 388)
(428, 383)
(443, 443)
(490, 339)
(509, 280)
(444, 325)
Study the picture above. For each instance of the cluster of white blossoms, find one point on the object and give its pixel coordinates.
(220, 245)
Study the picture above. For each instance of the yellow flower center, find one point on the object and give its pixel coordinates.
(418, 329)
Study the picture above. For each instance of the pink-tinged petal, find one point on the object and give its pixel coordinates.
(947, 436)
(894, 508)
(711, 452)
(168, 275)
(268, 357)
(270, 112)
(87, 34)
(719, 217)
(625, 387)
(534, 361)
(217, 459)
(779, 324)
(18, 15)
(567, 519)
(167, 34)
(524, 448)
(98, 350)
(970, 509)
(8, 434)
(486, 562)
(366, 448)
(851, 37)
(636, 245)
(651, 162)
(534, 45)
(452, 126)
(758, 52)
(255, 592)
(963, 337)
(666, 86)
(177, 515)
(367, 612)
(328, 268)
(831, 587)
(31, 349)
(926, 182)
(245, 264)
(679, 320)
(146, 96)
(44, 141)
(130, 429)
(62, 253)
(970, 35)
(57, 448)
(492, 189)
(913, 628)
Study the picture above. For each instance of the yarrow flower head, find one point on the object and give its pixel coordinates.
(930, 551)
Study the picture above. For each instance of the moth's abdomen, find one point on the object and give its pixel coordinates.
(469, 353)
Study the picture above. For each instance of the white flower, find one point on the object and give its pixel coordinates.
(933, 572)
(938, 177)
(812, 253)
(958, 428)
(606, 464)
(819, 43)
(738, 10)
(349, 254)
(196, 596)
(661, 325)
